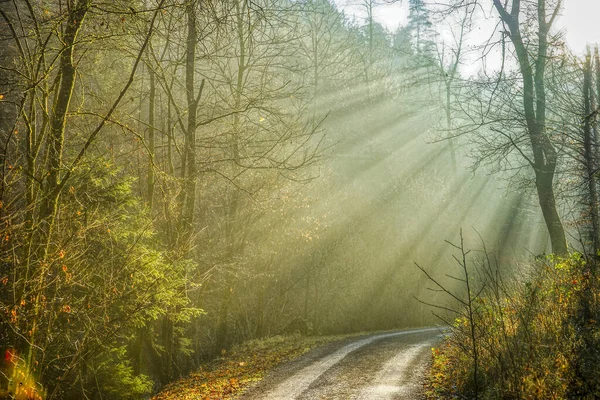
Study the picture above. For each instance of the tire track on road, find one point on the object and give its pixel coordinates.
(299, 384)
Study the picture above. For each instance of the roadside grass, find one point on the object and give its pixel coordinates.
(536, 338)
(245, 365)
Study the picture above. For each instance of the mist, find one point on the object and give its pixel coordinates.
(183, 176)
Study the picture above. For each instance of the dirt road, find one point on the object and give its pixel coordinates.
(382, 366)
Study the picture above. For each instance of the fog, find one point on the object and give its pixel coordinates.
(179, 177)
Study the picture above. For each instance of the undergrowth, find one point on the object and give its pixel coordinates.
(536, 337)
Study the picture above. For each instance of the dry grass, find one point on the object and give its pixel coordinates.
(532, 340)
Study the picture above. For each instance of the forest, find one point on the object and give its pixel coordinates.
(182, 176)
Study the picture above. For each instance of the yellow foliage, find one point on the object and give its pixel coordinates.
(22, 384)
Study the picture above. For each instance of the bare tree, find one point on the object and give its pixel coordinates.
(527, 26)
(449, 58)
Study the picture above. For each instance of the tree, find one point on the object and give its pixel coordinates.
(80, 269)
(161, 160)
(263, 132)
(590, 156)
(449, 59)
(527, 131)
(324, 47)
(420, 26)
(544, 153)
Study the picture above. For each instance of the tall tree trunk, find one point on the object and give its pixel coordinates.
(141, 333)
(51, 193)
(449, 124)
(190, 163)
(534, 105)
(187, 199)
(589, 147)
(151, 140)
(222, 340)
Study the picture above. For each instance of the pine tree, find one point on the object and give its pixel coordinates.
(420, 26)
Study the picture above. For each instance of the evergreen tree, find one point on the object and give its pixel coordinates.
(420, 26)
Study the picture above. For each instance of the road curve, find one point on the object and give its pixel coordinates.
(382, 366)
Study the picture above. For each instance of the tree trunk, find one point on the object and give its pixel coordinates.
(449, 125)
(545, 191)
(534, 106)
(589, 146)
(151, 140)
(189, 199)
(222, 340)
(49, 204)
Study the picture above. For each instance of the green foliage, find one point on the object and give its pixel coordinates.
(108, 278)
(112, 377)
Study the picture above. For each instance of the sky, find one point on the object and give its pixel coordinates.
(580, 19)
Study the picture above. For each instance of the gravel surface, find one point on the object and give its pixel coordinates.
(381, 366)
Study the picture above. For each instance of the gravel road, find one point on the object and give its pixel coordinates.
(381, 366)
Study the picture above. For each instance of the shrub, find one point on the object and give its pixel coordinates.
(531, 334)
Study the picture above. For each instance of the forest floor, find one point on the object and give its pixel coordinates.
(242, 367)
(375, 366)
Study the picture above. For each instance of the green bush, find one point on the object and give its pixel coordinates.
(107, 281)
(113, 377)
